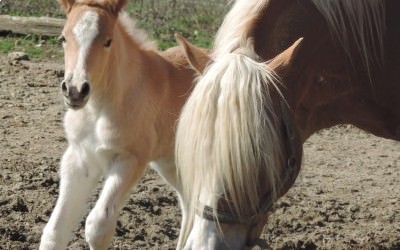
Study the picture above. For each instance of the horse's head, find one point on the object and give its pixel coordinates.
(87, 40)
(216, 224)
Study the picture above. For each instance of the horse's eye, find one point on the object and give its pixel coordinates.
(61, 39)
(107, 44)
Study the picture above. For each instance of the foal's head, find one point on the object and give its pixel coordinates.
(87, 39)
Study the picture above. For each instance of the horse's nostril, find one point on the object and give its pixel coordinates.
(64, 87)
(85, 89)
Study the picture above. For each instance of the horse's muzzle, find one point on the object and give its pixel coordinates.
(73, 97)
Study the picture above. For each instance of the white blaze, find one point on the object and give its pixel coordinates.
(86, 31)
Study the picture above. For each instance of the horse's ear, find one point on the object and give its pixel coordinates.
(66, 5)
(196, 56)
(284, 59)
(115, 6)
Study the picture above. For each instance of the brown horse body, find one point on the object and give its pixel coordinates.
(345, 70)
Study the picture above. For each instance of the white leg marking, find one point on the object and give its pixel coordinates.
(78, 177)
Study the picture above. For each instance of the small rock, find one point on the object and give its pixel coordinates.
(156, 210)
(18, 56)
(355, 209)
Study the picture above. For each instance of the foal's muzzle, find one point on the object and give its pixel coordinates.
(73, 97)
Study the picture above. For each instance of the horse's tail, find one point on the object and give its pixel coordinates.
(227, 135)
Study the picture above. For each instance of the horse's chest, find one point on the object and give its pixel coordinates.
(95, 133)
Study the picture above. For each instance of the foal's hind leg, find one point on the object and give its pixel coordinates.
(124, 172)
(77, 179)
(167, 169)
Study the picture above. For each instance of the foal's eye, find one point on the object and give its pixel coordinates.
(107, 44)
(61, 39)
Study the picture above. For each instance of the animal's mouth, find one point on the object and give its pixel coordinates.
(75, 104)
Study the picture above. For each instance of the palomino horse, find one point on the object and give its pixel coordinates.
(123, 100)
(240, 133)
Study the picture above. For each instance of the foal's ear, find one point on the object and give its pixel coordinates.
(197, 57)
(115, 6)
(284, 59)
(66, 5)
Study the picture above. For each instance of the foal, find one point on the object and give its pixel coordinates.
(123, 100)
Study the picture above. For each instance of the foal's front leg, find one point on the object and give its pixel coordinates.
(78, 177)
(124, 173)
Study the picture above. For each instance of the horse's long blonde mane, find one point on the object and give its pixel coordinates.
(357, 21)
(227, 134)
(234, 31)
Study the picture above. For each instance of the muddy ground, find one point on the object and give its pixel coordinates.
(346, 197)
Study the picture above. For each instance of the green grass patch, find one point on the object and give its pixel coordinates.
(35, 46)
(6, 45)
(195, 20)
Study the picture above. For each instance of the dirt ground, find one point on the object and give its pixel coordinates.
(346, 197)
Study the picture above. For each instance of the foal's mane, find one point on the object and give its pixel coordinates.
(138, 35)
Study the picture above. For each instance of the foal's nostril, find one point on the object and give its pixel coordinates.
(85, 89)
(64, 87)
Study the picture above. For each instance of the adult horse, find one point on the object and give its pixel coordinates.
(240, 135)
(123, 99)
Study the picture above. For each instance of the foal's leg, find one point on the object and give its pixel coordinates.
(124, 173)
(167, 169)
(77, 179)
